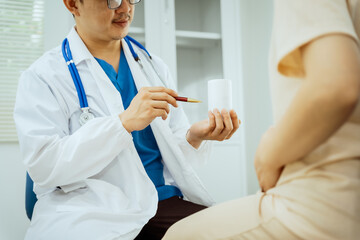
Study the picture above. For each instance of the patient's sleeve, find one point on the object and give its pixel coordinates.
(297, 22)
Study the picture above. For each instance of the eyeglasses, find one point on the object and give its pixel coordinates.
(114, 4)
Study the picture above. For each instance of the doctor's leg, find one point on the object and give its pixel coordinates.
(169, 211)
(237, 219)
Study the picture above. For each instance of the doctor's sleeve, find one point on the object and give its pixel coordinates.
(52, 156)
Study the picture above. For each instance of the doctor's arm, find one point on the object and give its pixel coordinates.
(325, 100)
(52, 155)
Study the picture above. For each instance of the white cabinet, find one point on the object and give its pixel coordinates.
(137, 28)
(198, 51)
(200, 40)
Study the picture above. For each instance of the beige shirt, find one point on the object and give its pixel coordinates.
(323, 189)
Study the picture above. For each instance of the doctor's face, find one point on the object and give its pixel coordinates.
(96, 21)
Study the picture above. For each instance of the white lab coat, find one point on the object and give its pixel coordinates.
(105, 192)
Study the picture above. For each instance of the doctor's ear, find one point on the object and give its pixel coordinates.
(72, 6)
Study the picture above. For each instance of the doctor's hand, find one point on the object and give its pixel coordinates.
(219, 126)
(267, 166)
(149, 103)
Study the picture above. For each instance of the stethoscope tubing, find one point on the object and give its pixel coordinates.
(87, 115)
(74, 74)
(128, 40)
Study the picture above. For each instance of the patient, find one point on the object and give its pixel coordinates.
(308, 164)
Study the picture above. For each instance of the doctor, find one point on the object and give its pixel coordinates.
(125, 171)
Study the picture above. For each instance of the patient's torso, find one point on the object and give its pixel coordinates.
(325, 185)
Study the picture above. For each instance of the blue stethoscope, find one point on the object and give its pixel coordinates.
(86, 114)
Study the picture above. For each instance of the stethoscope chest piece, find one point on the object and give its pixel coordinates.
(85, 116)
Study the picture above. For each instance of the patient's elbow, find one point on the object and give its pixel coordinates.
(347, 93)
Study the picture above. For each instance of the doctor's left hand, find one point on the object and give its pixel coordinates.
(219, 127)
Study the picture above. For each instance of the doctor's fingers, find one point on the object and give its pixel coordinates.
(160, 105)
(159, 113)
(163, 96)
(228, 125)
(161, 89)
(212, 123)
(235, 122)
(219, 125)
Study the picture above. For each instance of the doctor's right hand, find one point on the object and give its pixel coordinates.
(149, 103)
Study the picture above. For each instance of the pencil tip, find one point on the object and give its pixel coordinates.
(194, 100)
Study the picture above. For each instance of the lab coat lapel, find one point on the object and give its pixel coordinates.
(107, 90)
(78, 48)
(139, 77)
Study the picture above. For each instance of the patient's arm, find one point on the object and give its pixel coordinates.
(325, 100)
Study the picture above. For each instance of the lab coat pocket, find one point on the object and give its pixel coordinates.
(97, 196)
(69, 201)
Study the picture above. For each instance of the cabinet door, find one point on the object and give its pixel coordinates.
(160, 31)
(199, 51)
(137, 27)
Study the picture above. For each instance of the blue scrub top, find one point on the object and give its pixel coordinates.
(144, 140)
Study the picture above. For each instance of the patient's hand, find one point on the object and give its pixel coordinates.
(268, 169)
(219, 126)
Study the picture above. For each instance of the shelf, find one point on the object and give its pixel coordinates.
(198, 15)
(193, 39)
(190, 39)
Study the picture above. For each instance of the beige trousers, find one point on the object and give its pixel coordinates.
(252, 217)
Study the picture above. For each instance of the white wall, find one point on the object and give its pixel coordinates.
(13, 219)
(58, 22)
(256, 17)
